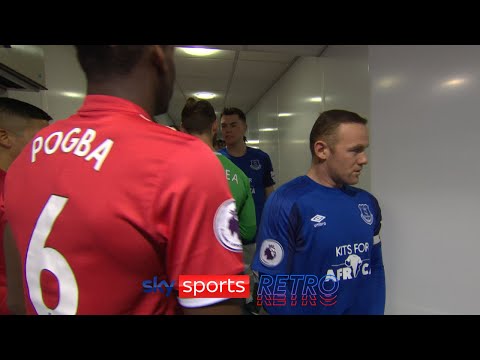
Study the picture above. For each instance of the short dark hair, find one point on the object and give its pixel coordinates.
(102, 61)
(9, 106)
(198, 116)
(327, 124)
(234, 111)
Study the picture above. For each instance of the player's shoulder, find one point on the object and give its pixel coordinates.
(361, 194)
(230, 164)
(180, 141)
(226, 162)
(161, 141)
(223, 159)
(188, 152)
(222, 151)
(193, 146)
(290, 192)
(257, 153)
(356, 191)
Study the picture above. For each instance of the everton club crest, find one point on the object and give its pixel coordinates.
(255, 164)
(365, 213)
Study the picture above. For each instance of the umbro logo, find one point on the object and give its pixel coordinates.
(318, 220)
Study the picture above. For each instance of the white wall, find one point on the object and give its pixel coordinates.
(339, 77)
(66, 85)
(65, 82)
(426, 173)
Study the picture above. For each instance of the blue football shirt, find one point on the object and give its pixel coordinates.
(319, 251)
(257, 165)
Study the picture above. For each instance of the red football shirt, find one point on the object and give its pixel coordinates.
(106, 199)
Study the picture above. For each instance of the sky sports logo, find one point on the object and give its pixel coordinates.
(202, 286)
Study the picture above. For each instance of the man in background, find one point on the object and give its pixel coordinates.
(199, 120)
(255, 163)
(19, 122)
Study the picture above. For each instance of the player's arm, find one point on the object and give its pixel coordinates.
(13, 264)
(276, 243)
(268, 177)
(378, 279)
(378, 272)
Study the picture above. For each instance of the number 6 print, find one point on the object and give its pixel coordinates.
(41, 258)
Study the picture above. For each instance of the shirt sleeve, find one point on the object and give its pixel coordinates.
(378, 288)
(268, 174)
(276, 236)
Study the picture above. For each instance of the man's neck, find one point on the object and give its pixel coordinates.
(320, 175)
(5, 161)
(206, 138)
(129, 88)
(238, 149)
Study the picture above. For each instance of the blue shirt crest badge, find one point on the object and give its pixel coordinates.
(255, 164)
(365, 213)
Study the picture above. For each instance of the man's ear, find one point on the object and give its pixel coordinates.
(321, 150)
(160, 54)
(5, 139)
(215, 127)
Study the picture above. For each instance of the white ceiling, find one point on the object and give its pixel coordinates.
(239, 74)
